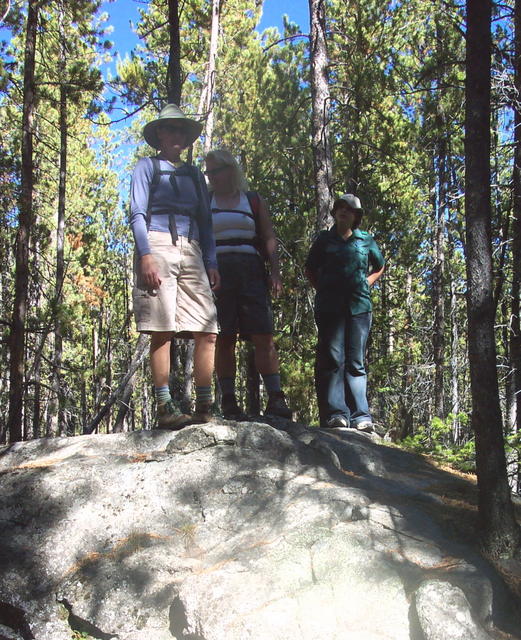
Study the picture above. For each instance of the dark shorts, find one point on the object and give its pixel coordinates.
(243, 301)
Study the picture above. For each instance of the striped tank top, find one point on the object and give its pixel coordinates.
(234, 229)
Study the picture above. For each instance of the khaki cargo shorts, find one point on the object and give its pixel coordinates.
(184, 301)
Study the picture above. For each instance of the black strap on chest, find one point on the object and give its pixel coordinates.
(254, 202)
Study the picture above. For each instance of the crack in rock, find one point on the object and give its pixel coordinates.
(84, 626)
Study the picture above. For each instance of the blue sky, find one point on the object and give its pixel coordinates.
(123, 12)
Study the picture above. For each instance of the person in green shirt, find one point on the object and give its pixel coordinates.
(342, 265)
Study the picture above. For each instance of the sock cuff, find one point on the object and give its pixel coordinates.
(271, 382)
(227, 385)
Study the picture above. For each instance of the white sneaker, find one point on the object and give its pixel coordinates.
(337, 421)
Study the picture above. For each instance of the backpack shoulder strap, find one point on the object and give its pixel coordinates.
(192, 170)
(156, 176)
(254, 200)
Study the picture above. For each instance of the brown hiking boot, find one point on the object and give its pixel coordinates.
(169, 417)
(277, 406)
(203, 413)
(230, 408)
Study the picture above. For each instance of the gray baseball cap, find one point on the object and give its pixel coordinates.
(352, 201)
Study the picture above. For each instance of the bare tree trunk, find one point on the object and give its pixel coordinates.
(455, 401)
(138, 357)
(25, 219)
(57, 404)
(124, 406)
(515, 339)
(320, 101)
(173, 74)
(438, 277)
(188, 371)
(252, 383)
(500, 534)
(206, 103)
(406, 427)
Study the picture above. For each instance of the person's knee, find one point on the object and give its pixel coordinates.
(226, 340)
(207, 339)
(355, 369)
(263, 341)
(330, 357)
(159, 338)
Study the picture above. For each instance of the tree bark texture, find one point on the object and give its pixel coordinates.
(209, 85)
(25, 219)
(438, 281)
(173, 73)
(515, 340)
(500, 535)
(56, 417)
(320, 104)
(252, 383)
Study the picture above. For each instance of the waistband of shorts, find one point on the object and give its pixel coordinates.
(164, 237)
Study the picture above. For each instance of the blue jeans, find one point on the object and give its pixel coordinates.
(340, 375)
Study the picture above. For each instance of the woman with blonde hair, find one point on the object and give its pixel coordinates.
(245, 239)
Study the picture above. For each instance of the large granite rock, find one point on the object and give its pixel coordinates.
(235, 532)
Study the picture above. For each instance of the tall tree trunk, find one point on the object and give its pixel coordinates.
(515, 340)
(57, 404)
(25, 218)
(500, 534)
(454, 347)
(173, 74)
(206, 103)
(406, 427)
(320, 104)
(438, 276)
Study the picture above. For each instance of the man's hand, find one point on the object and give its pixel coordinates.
(149, 272)
(214, 278)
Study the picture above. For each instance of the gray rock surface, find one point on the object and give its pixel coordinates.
(444, 613)
(236, 531)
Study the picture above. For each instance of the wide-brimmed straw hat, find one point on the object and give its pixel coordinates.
(352, 201)
(172, 112)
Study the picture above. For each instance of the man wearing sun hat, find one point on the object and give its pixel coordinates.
(342, 265)
(175, 266)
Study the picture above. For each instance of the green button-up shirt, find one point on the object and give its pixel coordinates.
(341, 268)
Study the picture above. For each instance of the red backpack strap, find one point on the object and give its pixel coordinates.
(254, 200)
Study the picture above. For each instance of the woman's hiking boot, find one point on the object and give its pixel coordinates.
(230, 408)
(170, 417)
(203, 413)
(277, 406)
